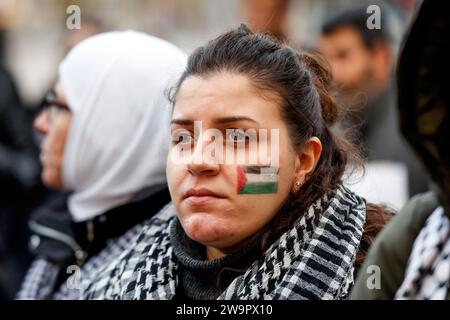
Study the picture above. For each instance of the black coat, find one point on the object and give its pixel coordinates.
(19, 184)
(19, 162)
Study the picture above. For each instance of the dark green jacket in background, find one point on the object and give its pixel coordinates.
(392, 248)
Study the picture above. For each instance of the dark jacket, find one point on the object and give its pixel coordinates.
(392, 248)
(20, 186)
(19, 162)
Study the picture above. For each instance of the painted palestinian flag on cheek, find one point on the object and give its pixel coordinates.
(257, 179)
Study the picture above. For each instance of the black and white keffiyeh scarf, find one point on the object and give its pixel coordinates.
(427, 275)
(313, 260)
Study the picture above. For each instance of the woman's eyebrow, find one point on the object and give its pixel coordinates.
(182, 122)
(234, 119)
(225, 120)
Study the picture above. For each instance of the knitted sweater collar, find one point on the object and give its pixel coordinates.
(203, 279)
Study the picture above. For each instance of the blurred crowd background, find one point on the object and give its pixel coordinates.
(34, 39)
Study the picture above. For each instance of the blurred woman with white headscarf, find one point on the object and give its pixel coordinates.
(105, 146)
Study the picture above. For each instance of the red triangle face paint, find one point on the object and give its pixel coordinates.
(241, 179)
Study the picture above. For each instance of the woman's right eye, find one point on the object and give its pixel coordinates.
(182, 138)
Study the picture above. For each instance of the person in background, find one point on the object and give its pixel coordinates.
(103, 126)
(19, 181)
(412, 254)
(267, 16)
(16, 124)
(2, 44)
(361, 61)
(90, 26)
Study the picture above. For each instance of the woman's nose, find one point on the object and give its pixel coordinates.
(203, 168)
(201, 163)
(41, 124)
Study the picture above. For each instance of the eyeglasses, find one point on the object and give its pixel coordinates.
(53, 106)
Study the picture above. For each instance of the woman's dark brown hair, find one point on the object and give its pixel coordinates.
(301, 81)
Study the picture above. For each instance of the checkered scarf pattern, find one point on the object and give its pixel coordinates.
(427, 274)
(313, 260)
(39, 283)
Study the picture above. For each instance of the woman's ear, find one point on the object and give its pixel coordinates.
(307, 159)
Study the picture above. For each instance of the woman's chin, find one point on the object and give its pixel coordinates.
(206, 229)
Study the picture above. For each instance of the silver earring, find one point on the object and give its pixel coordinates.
(297, 185)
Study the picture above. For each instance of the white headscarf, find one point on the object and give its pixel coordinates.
(117, 143)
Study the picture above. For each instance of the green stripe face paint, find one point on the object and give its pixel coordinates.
(257, 179)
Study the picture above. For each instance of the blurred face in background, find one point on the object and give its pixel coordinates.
(53, 122)
(206, 193)
(267, 16)
(356, 68)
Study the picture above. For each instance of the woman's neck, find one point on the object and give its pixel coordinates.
(213, 253)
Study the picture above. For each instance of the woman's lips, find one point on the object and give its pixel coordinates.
(201, 200)
(201, 196)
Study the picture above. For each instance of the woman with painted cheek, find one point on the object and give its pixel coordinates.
(224, 205)
(103, 128)
(282, 229)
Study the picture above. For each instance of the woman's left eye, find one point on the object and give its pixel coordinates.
(236, 135)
